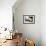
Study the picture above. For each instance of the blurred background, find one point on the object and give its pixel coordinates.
(18, 8)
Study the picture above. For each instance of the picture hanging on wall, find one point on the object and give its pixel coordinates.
(28, 19)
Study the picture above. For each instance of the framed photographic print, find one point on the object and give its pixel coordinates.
(28, 19)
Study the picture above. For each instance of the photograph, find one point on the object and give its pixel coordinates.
(28, 19)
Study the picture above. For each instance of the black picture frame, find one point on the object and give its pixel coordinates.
(30, 20)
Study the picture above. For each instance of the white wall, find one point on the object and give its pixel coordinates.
(43, 22)
(6, 13)
(31, 31)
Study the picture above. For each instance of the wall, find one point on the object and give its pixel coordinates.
(43, 22)
(30, 31)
